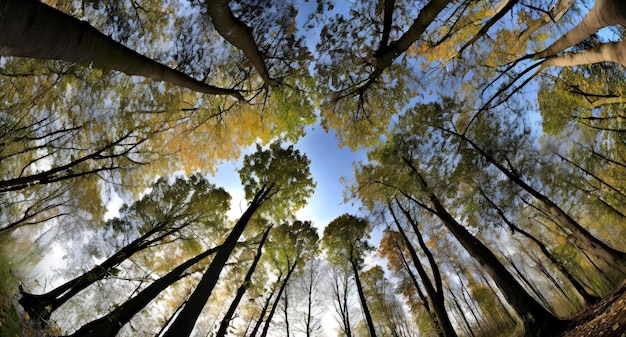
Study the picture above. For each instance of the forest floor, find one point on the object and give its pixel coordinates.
(606, 318)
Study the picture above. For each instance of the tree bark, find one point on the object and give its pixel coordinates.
(184, 323)
(603, 52)
(32, 29)
(242, 289)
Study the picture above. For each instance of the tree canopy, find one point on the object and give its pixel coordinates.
(489, 200)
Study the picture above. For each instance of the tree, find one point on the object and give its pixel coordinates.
(309, 293)
(392, 248)
(163, 213)
(291, 246)
(278, 181)
(434, 292)
(386, 309)
(359, 103)
(345, 240)
(247, 281)
(339, 279)
(603, 13)
(36, 30)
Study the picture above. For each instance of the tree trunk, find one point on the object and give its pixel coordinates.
(341, 298)
(40, 307)
(501, 11)
(286, 314)
(110, 324)
(603, 52)
(536, 319)
(366, 310)
(32, 29)
(604, 13)
(385, 57)
(460, 310)
(275, 304)
(436, 295)
(611, 256)
(238, 34)
(242, 289)
(266, 306)
(184, 323)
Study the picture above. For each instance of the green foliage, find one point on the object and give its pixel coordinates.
(282, 170)
(292, 243)
(345, 240)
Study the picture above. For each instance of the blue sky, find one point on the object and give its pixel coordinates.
(329, 164)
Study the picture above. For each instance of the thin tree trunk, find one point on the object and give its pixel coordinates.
(587, 297)
(421, 295)
(184, 323)
(484, 29)
(32, 29)
(286, 313)
(460, 310)
(275, 305)
(363, 300)
(386, 56)
(471, 305)
(309, 302)
(111, 323)
(242, 288)
(435, 293)
(263, 311)
(342, 302)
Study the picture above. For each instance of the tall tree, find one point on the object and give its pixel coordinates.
(226, 321)
(291, 246)
(433, 291)
(345, 240)
(167, 210)
(111, 323)
(279, 182)
(387, 311)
